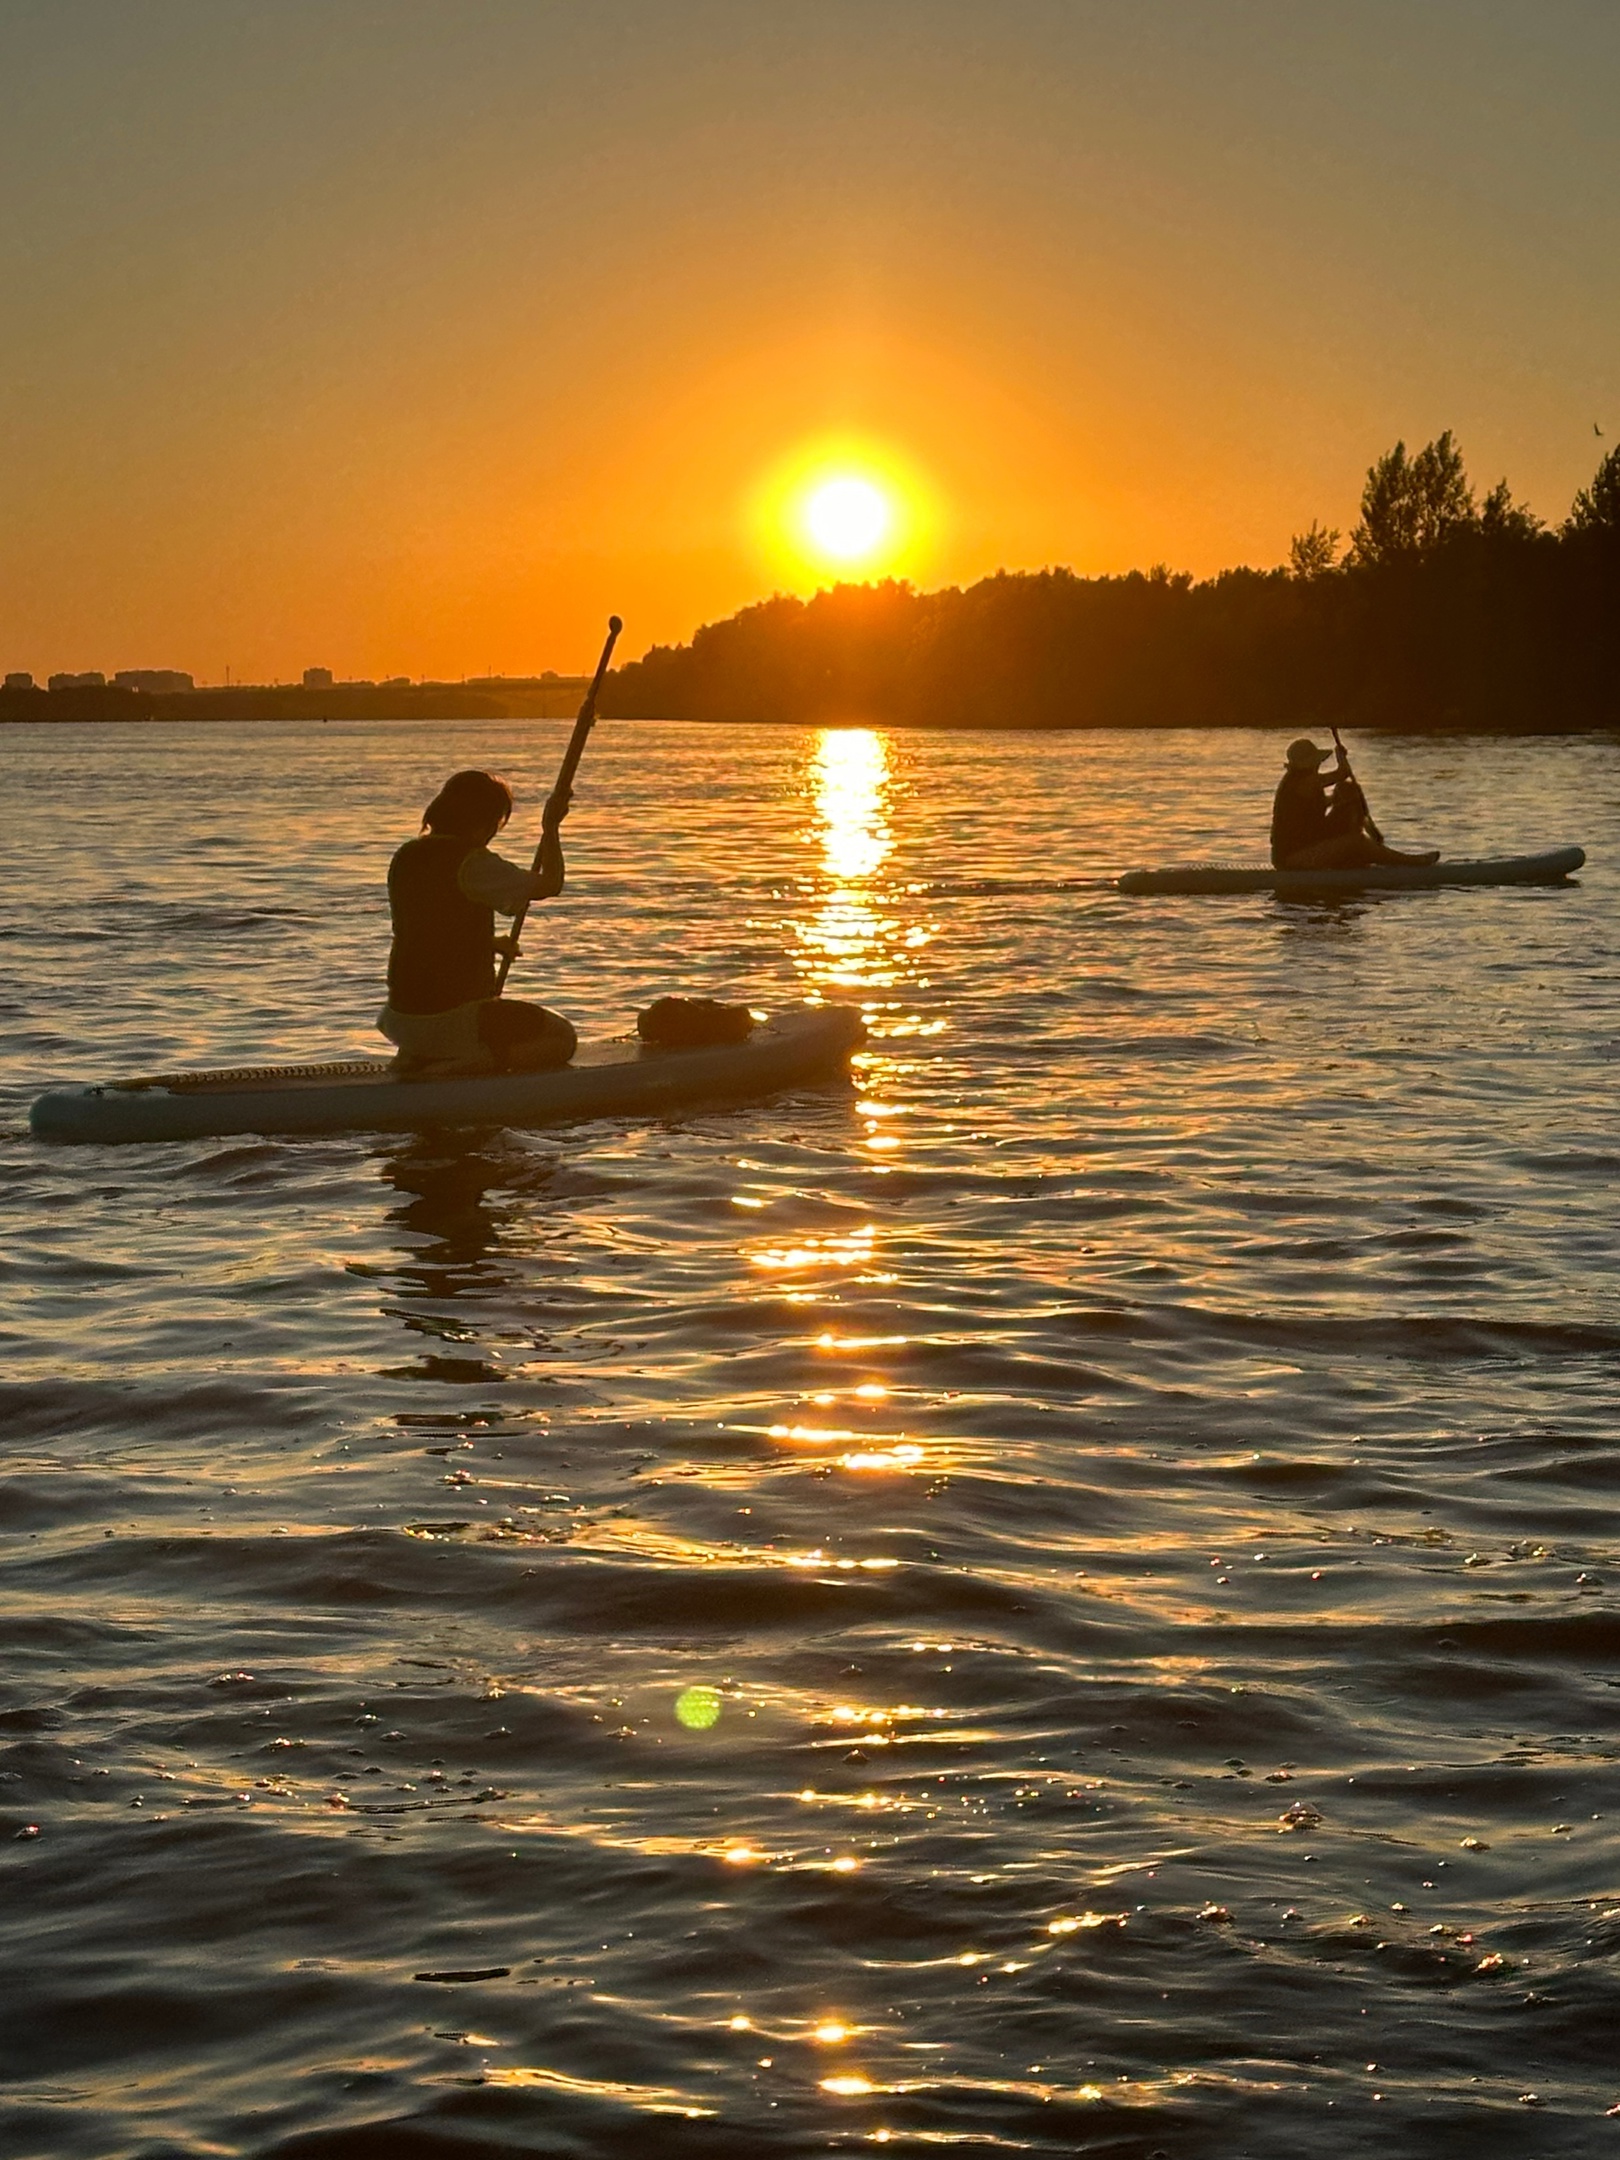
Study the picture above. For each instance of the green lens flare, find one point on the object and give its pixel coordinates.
(698, 1708)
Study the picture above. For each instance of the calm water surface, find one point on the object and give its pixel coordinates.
(1122, 1495)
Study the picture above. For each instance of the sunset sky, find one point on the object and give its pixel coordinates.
(413, 336)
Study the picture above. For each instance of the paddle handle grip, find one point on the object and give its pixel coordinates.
(583, 725)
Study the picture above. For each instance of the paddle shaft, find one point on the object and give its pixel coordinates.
(561, 789)
(1366, 814)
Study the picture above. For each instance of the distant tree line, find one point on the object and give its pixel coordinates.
(1444, 610)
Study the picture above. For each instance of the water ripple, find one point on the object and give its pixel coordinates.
(1060, 1600)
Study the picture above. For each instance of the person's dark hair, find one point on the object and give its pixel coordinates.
(467, 801)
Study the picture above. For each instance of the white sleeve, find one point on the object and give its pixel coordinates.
(489, 880)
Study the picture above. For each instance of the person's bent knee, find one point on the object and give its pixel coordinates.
(525, 1038)
(544, 1052)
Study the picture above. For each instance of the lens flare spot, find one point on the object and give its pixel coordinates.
(697, 1708)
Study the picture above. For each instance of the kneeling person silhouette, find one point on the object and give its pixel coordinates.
(445, 889)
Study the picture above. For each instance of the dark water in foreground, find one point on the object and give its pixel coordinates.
(1124, 1496)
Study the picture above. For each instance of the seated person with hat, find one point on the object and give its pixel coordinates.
(1321, 825)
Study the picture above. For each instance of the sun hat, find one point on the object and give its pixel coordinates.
(1304, 756)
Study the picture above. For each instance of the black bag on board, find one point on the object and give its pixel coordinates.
(678, 1023)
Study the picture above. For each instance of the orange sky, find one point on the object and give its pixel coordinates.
(415, 335)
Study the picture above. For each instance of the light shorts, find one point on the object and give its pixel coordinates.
(446, 1036)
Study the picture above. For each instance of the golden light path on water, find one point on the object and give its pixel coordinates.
(851, 779)
(859, 939)
(863, 937)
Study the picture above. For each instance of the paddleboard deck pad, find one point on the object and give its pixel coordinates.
(1548, 869)
(801, 1043)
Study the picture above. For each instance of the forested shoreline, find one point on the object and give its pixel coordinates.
(1444, 610)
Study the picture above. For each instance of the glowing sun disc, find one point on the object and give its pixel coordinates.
(847, 518)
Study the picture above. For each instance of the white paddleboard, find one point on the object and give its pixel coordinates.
(1548, 869)
(801, 1043)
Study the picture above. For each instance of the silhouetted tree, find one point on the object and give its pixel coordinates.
(1596, 509)
(1501, 518)
(1410, 505)
(1312, 553)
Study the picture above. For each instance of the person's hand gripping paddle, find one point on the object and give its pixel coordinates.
(1358, 799)
(557, 801)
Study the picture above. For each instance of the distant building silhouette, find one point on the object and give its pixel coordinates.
(22, 680)
(159, 680)
(317, 678)
(91, 679)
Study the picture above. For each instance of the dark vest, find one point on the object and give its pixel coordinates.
(1298, 816)
(444, 944)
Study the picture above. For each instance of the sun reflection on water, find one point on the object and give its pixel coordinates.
(852, 787)
(857, 940)
(852, 1248)
(861, 938)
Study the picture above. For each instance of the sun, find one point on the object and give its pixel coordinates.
(844, 507)
(847, 519)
